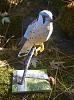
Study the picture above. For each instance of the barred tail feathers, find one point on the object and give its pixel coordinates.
(25, 49)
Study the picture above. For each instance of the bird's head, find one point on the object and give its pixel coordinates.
(46, 15)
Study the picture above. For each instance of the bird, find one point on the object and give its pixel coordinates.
(38, 32)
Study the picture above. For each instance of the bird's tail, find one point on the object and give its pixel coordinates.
(25, 49)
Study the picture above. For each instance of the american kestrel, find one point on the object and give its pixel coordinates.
(37, 33)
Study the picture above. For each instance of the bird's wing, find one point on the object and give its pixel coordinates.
(26, 44)
(26, 36)
(33, 26)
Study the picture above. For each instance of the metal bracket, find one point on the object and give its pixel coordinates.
(26, 64)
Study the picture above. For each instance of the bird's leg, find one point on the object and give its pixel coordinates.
(35, 52)
(42, 47)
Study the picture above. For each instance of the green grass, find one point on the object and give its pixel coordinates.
(64, 75)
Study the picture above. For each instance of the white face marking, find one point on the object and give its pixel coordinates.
(48, 27)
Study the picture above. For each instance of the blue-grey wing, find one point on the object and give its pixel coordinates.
(25, 45)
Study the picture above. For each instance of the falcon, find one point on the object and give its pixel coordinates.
(38, 32)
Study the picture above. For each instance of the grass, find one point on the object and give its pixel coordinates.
(64, 75)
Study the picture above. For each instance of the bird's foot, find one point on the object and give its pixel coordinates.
(38, 48)
(42, 47)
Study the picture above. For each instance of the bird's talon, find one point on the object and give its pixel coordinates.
(42, 48)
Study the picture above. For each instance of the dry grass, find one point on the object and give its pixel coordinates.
(64, 75)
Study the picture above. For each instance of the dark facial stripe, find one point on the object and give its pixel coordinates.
(43, 19)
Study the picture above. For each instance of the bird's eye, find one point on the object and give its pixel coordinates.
(43, 19)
